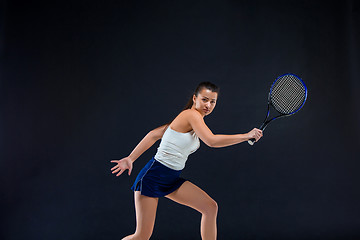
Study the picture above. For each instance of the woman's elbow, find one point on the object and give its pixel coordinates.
(155, 135)
(211, 145)
(211, 142)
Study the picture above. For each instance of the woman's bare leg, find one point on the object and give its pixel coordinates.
(145, 216)
(191, 195)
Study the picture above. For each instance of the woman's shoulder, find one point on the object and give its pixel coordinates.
(190, 112)
(185, 117)
(187, 114)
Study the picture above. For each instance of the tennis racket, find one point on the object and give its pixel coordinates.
(287, 96)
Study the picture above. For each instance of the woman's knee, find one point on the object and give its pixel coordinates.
(210, 207)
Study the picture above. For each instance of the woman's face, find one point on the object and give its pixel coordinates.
(205, 101)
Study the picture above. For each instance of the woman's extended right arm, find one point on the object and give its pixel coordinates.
(144, 144)
(217, 140)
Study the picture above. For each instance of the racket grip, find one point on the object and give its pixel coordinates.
(262, 128)
(252, 141)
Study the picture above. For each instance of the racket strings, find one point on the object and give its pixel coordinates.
(287, 94)
(287, 101)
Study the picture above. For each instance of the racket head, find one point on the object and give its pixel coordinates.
(288, 94)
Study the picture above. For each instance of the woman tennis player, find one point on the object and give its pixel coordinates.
(161, 175)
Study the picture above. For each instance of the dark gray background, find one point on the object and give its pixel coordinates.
(83, 81)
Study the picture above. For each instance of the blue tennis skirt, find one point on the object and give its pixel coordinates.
(157, 180)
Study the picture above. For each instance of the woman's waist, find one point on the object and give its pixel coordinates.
(175, 163)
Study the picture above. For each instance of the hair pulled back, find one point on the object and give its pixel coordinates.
(208, 85)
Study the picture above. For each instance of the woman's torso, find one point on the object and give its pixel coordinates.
(177, 143)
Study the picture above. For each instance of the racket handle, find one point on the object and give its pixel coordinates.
(262, 128)
(252, 141)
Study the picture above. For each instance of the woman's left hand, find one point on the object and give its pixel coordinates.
(122, 165)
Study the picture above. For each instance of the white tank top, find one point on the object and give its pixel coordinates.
(175, 147)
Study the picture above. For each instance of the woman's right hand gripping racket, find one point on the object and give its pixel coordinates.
(287, 96)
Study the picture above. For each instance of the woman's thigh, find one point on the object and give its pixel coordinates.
(192, 196)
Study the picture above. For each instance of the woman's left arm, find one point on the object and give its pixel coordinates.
(149, 140)
(144, 144)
